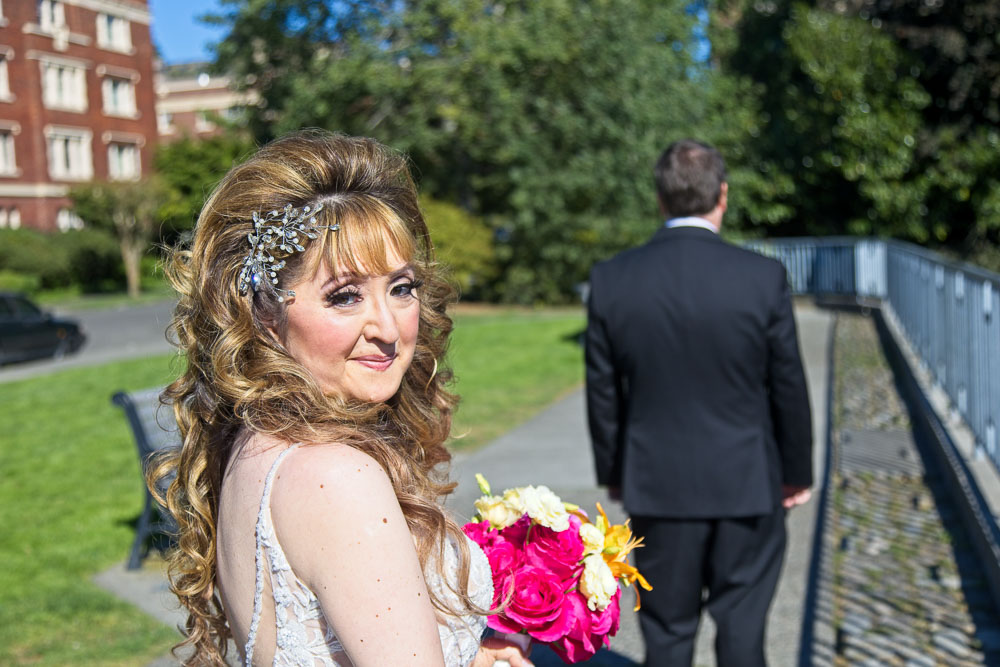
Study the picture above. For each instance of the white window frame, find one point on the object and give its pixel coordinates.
(67, 220)
(64, 85)
(5, 56)
(10, 217)
(8, 160)
(69, 153)
(124, 161)
(119, 96)
(202, 123)
(165, 122)
(51, 15)
(114, 32)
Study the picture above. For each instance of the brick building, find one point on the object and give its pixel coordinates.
(189, 100)
(77, 102)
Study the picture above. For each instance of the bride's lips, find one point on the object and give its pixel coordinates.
(376, 362)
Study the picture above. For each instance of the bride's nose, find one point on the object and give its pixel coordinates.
(380, 323)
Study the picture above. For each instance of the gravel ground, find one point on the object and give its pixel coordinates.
(900, 585)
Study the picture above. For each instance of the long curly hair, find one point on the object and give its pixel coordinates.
(240, 380)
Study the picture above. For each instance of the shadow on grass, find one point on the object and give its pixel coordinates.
(577, 337)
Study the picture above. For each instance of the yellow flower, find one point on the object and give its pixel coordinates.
(497, 511)
(618, 542)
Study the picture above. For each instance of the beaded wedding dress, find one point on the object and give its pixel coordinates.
(303, 637)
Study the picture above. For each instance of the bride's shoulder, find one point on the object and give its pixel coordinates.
(327, 477)
(334, 499)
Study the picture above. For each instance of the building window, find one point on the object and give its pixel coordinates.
(8, 166)
(5, 78)
(123, 162)
(202, 122)
(66, 220)
(51, 15)
(164, 122)
(64, 86)
(114, 32)
(69, 154)
(10, 217)
(119, 96)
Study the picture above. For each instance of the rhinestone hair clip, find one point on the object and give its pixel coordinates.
(278, 230)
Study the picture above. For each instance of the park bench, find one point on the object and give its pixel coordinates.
(153, 429)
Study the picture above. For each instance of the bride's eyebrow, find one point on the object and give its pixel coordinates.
(340, 278)
(351, 275)
(402, 271)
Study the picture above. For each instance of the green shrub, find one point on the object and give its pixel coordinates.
(86, 258)
(464, 244)
(34, 253)
(18, 282)
(95, 260)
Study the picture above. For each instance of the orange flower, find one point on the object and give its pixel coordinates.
(618, 543)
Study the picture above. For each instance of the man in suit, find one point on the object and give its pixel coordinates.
(699, 414)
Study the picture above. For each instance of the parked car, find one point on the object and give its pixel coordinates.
(28, 332)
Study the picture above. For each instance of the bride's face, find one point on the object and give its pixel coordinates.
(355, 332)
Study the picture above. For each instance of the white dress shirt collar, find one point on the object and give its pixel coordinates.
(691, 221)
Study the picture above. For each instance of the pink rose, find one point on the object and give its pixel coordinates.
(589, 630)
(536, 605)
(605, 623)
(479, 532)
(504, 557)
(576, 645)
(560, 552)
(516, 532)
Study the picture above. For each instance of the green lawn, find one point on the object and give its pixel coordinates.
(70, 488)
(510, 365)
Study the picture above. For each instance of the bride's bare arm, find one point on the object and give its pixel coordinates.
(341, 527)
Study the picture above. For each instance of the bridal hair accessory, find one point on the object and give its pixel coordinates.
(278, 230)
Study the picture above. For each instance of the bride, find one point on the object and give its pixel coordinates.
(313, 413)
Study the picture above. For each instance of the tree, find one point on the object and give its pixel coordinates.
(543, 117)
(190, 168)
(130, 209)
(876, 117)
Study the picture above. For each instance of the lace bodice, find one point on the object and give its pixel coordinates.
(303, 636)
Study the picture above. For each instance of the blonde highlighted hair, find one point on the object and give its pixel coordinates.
(239, 380)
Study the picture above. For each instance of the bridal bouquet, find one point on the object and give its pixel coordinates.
(556, 573)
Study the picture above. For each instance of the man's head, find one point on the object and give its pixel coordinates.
(690, 179)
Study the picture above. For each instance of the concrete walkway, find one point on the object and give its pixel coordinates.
(553, 449)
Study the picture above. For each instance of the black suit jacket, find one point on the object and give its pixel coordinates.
(696, 397)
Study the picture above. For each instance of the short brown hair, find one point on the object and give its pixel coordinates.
(689, 177)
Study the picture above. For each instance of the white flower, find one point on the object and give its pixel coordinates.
(593, 538)
(539, 503)
(514, 498)
(497, 511)
(597, 582)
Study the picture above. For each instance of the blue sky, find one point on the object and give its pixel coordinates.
(177, 34)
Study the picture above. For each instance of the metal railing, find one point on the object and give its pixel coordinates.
(948, 311)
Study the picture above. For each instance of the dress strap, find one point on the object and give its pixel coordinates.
(261, 528)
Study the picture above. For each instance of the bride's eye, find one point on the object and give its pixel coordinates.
(406, 288)
(348, 295)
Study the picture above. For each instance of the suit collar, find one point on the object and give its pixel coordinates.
(670, 233)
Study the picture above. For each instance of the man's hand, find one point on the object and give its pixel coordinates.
(794, 495)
